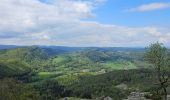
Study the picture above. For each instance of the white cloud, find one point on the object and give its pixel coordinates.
(165, 38)
(151, 7)
(59, 22)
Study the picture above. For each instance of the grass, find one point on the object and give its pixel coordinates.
(120, 66)
(59, 59)
(45, 75)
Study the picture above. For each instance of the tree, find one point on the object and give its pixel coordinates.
(159, 57)
(52, 90)
(11, 89)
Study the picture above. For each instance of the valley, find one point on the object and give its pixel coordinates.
(89, 73)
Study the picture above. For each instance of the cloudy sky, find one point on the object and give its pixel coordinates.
(101, 23)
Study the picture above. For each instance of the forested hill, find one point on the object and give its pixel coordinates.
(27, 53)
(20, 59)
(57, 72)
(71, 49)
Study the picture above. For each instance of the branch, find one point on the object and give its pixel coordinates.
(162, 82)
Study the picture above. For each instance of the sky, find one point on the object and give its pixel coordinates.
(85, 23)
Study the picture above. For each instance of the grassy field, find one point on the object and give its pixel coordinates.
(45, 75)
(59, 59)
(68, 72)
(119, 66)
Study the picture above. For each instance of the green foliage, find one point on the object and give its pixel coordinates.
(96, 61)
(51, 90)
(159, 57)
(11, 89)
(35, 57)
(93, 86)
(90, 73)
(13, 68)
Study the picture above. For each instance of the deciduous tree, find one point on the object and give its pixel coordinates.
(158, 56)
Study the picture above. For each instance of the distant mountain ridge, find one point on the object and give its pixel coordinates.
(74, 49)
(8, 46)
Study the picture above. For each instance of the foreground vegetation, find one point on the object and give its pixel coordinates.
(41, 73)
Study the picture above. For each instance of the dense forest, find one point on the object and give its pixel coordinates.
(54, 73)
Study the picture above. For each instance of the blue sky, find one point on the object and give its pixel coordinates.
(115, 12)
(102, 23)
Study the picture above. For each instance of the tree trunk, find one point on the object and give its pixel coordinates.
(165, 94)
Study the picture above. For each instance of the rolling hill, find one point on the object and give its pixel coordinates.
(77, 72)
